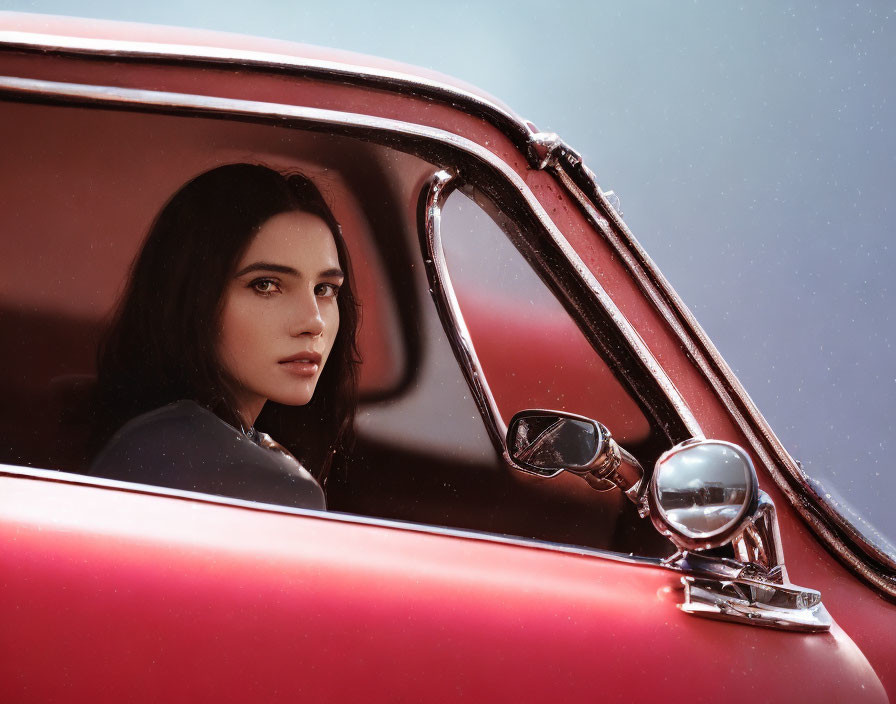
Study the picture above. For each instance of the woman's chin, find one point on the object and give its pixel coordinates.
(298, 397)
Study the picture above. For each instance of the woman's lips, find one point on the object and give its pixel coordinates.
(302, 364)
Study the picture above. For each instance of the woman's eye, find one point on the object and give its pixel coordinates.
(265, 286)
(326, 290)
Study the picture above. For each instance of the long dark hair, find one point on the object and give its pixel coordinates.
(161, 345)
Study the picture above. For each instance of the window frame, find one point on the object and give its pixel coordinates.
(542, 151)
(429, 143)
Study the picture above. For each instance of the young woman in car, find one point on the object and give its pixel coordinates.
(239, 312)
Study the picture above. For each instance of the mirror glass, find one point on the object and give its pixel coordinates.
(552, 442)
(704, 489)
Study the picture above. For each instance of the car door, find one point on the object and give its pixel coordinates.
(145, 593)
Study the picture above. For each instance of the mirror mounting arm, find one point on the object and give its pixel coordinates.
(616, 467)
(758, 545)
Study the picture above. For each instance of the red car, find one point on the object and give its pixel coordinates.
(557, 480)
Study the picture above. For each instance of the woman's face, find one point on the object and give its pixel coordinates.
(279, 314)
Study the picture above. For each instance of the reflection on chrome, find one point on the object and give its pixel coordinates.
(704, 518)
(701, 491)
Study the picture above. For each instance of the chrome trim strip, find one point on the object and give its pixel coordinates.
(440, 186)
(49, 91)
(134, 488)
(434, 195)
(568, 167)
(502, 117)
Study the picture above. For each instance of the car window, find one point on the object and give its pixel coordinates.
(80, 194)
(533, 354)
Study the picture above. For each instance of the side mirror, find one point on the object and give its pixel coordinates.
(549, 442)
(702, 493)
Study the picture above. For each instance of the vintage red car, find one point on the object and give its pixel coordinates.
(456, 560)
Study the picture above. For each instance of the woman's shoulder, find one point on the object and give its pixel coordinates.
(165, 433)
(185, 446)
(180, 418)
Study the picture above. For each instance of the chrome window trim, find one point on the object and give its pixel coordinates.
(78, 95)
(838, 533)
(435, 193)
(511, 124)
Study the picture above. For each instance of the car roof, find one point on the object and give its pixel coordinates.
(171, 38)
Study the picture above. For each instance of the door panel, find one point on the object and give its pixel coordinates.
(119, 595)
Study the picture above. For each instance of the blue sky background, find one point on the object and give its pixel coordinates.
(752, 145)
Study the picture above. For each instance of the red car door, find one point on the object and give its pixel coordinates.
(123, 593)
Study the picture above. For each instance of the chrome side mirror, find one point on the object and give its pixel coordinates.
(702, 493)
(553, 441)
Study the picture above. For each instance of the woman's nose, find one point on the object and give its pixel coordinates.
(306, 319)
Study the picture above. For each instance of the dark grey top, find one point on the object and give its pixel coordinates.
(185, 446)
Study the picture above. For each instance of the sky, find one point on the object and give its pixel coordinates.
(751, 144)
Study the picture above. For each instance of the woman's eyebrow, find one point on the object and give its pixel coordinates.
(334, 273)
(267, 266)
(282, 269)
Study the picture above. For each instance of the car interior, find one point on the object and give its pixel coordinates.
(82, 186)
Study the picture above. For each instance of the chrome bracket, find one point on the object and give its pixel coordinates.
(759, 603)
(544, 149)
(753, 587)
(759, 542)
(548, 150)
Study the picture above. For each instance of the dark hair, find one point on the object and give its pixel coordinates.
(161, 345)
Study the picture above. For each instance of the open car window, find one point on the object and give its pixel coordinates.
(82, 186)
(81, 189)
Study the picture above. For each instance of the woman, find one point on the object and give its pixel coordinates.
(239, 312)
